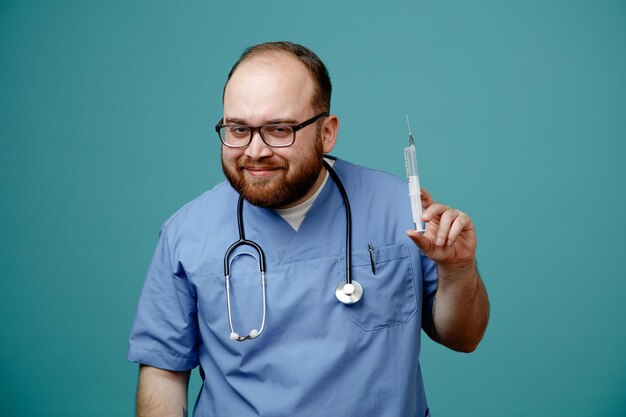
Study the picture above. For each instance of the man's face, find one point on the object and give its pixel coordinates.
(274, 88)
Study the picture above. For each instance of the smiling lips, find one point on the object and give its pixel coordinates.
(261, 170)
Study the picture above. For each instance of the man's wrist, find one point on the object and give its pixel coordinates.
(466, 275)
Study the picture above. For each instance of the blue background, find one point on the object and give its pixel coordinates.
(518, 109)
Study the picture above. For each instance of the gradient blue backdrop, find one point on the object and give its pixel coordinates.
(519, 111)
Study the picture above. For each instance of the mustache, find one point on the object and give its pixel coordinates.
(269, 164)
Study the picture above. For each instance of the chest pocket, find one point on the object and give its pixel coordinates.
(389, 296)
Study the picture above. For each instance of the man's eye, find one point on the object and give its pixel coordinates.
(239, 131)
(279, 131)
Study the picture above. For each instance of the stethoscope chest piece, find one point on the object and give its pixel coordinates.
(349, 293)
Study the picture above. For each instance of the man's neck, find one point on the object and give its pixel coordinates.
(294, 214)
(321, 179)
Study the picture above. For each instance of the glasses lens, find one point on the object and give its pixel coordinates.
(235, 135)
(278, 135)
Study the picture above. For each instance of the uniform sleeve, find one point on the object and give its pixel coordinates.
(430, 277)
(165, 329)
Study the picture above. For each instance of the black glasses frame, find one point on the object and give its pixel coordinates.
(253, 129)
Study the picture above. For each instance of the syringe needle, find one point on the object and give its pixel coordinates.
(410, 133)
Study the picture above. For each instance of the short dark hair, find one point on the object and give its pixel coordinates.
(317, 69)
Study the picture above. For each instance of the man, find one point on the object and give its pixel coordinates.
(307, 353)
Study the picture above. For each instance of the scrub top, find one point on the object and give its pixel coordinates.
(316, 356)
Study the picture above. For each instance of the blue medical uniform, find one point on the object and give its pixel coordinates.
(316, 356)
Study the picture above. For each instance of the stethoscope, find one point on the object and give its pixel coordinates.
(348, 291)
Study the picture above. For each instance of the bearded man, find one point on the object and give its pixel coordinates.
(295, 285)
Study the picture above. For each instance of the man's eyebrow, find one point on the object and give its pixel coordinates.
(282, 121)
(238, 121)
(234, 120)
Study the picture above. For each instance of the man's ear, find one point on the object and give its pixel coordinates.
(329, 131)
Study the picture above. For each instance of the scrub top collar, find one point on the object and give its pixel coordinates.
(283, 244)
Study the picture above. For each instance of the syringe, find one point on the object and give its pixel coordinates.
(410, 160)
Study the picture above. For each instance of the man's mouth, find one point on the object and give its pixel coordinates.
(261, 170)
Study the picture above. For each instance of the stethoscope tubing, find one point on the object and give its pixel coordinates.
(244, 242)
(346, 203)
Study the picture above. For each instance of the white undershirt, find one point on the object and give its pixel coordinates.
(295, 215)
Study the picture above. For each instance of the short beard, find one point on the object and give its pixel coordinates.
(281, 191)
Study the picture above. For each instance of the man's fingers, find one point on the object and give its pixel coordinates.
(447, 218)
(460, 223)
(433, 211)
(422, 242)
(426, 198)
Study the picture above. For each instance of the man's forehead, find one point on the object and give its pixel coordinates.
(270, 58)
(280, 64)
(268, 87)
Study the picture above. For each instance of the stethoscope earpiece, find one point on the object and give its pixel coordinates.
(253, 334)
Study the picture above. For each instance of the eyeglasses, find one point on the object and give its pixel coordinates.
(274, 135)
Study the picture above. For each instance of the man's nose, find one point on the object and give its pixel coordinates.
(257, 149)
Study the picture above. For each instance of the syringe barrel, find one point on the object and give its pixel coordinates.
(415, 195)
(410, 160)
